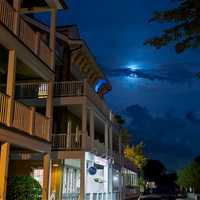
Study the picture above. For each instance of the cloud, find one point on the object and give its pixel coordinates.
(173, 73)
(169, 138)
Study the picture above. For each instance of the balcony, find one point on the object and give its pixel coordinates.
(76, 142)
(78, 89)
(62, 89)
(24, 118)
(18, 26)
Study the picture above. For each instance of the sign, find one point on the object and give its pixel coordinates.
(92, 170)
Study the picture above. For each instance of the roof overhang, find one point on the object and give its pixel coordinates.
(78, 46)
(59, 4)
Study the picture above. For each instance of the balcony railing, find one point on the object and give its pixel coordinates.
(62, 89)
(64, 141)
(23, 118)
(4, 101)
(74, 141)
(15, 23)
(99, 147)
(80, 88)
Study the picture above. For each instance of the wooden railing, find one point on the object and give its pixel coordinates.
(66, 141)
(26, 34)
(99, 147)
(44, 52)
(73, 141)
(69, 88)
(31, 90)
(12, 19)
(62, 89)
(41, 126)
(7, 14)
(80, 88)
(3, 108)
(23, 118)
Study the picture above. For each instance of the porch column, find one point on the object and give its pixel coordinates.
(84, 125)
(106, 137)
(49, 108)
(92, 128)
(52, 38)
(10, 85)
(120, 170)
(5, 150)
(46, 176)
(82, 178)
(110, 140)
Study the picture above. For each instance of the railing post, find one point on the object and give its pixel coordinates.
(32, 121)
(69, 134)
(10, 85)
(106, 137)
(10, 114)
(16, 6)
(85, 87)
(52, 38)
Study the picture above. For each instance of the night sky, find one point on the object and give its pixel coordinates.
(156, 91)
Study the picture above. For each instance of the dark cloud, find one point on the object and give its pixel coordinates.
(169, 138)
(174, 73)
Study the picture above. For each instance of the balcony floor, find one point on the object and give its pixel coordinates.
(23, 140)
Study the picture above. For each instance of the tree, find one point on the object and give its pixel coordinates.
(123, 133)
(185, 32)
(189, 176)
(153, 170)
(23, 188)
(135, 155)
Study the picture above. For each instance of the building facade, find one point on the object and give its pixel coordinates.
(55, 125)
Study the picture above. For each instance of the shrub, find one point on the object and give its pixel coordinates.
(23, 188)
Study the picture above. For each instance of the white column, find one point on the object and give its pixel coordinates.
(92, 128)
(106, 137)
(84, 125)
(110, 140)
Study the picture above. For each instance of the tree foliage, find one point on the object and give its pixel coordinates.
(153, 170)
(185, 32)
(119, 120)
(23, 188)
(135, 155)
(189, 176)
(123, 133)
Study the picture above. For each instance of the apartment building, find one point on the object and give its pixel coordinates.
(24, 55)
(54, 120)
